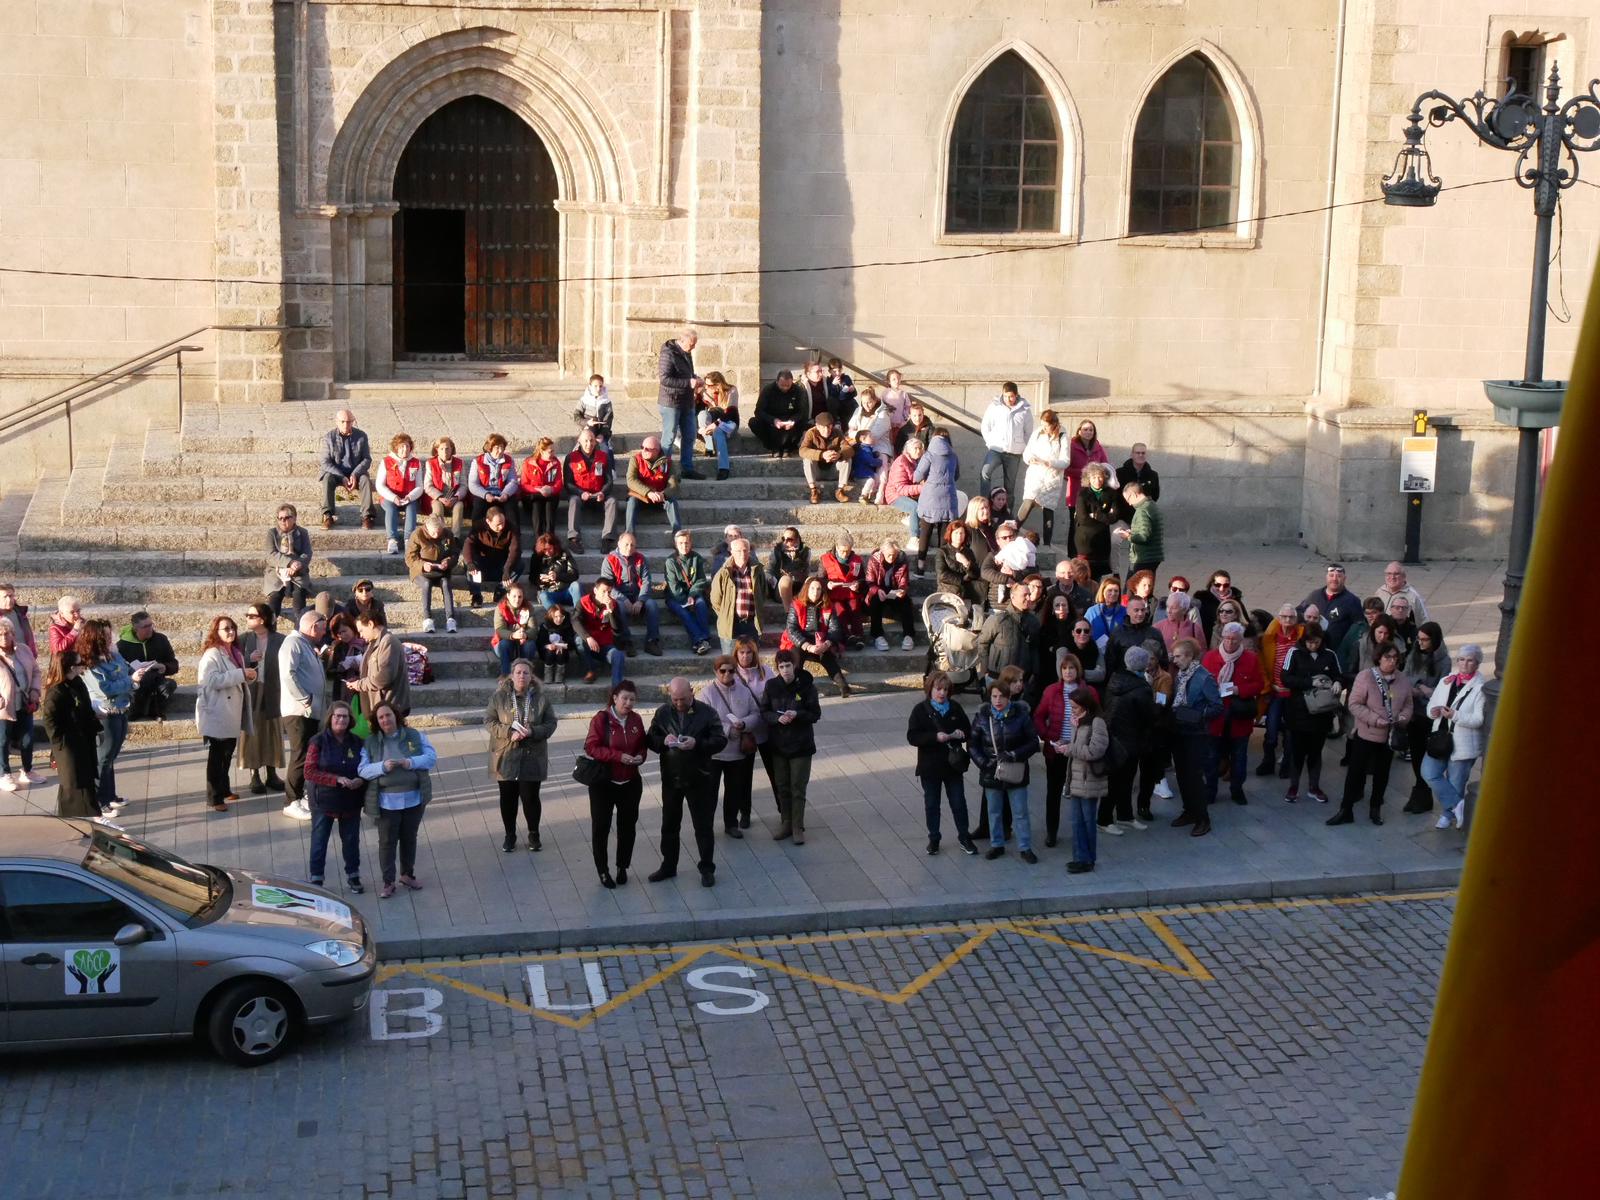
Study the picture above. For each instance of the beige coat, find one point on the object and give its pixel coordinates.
(384, 663)
(219, 708)
(529, 758)
(1089, 744)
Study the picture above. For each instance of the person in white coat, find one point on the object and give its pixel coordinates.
(1007, 426)
(220, 712)
(1045, 459)
(1456, 707)
(873, 419)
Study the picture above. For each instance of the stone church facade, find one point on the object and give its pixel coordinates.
(395, 185)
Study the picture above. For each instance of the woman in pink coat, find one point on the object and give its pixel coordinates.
(1380, 701)
(1083, 449)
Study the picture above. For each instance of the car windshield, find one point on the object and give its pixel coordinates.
(181, 887)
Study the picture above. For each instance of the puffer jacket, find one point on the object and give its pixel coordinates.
(1467, 727)
(1003, 737)
(1089, 745)
(1131, 711)
(937, 472)
(899, 480)
(1366, 706)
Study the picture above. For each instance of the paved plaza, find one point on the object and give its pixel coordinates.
(1245, 1051)
(864, 860)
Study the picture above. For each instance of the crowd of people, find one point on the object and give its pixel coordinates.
(1111, 681)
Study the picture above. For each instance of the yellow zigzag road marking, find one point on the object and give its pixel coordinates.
(1032, 928)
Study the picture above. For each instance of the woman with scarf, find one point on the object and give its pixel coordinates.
(1055, 640)
(1055, 723)
(401, 760)
(220, 711)
(1310, 667)
(1240, 683)
(734, 765)
(1003, 740)
(813, 632)
(1179, 622)
(1087, 651)
(616, 739)
(1083, 449)
(492, 477)
(520, 721)
(1276, 643)
(1380, 702)
(444, 484)
(747, 665)
(1098, 508)
(1106, 613)
(1456, 709)
(335, 791)
(261, 741)
(1196, 702)
(1044, 481)
(790, 708)
(1088, 776)
(1425, 664)
(940, 730)
(1233, 612)
(69, 722)
(20, 693)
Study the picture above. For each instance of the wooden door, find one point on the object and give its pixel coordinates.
(477, 157)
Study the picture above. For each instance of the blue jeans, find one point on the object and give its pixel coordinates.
(17, 734)
(669, 506)
(567, 595)
(1277, 708)
(113, 732)
(997, 796)
(696, 618)
(908, 504)
(1448, 780)
(1085, 827)
(677, 425)
(1239, 748)
(719, 434)
(652, 618)
(391, 520)
(425, 586)
(955, 788)
(510, 650)
(612, 655)
(349, 842)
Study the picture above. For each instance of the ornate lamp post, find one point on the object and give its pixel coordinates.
(1547, 142)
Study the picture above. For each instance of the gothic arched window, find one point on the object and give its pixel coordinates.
(1186, 156)
(1005, 154)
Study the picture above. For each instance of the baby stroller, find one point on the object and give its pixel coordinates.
(952, 642)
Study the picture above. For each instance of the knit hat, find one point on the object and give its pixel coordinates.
(1137, 660)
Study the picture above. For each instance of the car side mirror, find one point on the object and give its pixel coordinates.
(132, 934)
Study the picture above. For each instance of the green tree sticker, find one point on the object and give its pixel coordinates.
(92, 972)
(92, 962)
(278, 898)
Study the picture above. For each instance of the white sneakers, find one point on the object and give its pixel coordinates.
(393, 547)
(880, 643)
(24, 778)
(449, 624)
(1136, 823)
(1113, 829)
(427, 625)
(908, 642)
(297, 810)
(7, 784)
(1163, 790)
(1457, 813)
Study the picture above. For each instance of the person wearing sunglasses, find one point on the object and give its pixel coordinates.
(739, 709)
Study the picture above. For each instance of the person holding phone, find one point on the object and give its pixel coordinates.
(790, 708)
(939, 729)
(220, 713)
(687, 734)
(520, 721)
(617, 739)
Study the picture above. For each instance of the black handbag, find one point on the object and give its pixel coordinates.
(591, 772)
(956, 758)
(1441, 743)
(1242, 708)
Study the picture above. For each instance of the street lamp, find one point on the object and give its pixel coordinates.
(1546, 141)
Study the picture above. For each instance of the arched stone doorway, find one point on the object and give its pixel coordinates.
(476, 238)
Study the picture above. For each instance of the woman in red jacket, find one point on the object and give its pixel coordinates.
(846, 574)
(1053, 721)
(541, 486)
(616, 739)
(1240, 682)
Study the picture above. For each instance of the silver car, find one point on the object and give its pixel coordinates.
(104, 937)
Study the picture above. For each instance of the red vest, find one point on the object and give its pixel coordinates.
(654, 480)
(401, 477)
(437, 480)
(590, 476)
(537, 473)
(492, 477)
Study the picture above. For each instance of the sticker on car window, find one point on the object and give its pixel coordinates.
(93, 971)
(291, 900)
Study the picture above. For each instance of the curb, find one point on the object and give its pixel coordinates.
(758, 922)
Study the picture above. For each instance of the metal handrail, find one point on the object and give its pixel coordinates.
(63, 397)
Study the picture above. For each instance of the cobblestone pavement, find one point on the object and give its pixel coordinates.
(1245, 1050)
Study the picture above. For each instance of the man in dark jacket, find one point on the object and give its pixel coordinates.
(780, 418)
(1010, 637)
(676, 396)
(1130, 716)
(346, 463)
(1138, 470)
(686, 733)
(139, 642)
(1338, 604)
(1135, 631)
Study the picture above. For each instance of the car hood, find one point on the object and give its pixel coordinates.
(269, 905)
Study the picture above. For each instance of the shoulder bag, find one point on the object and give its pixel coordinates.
(956, 756)
(1441, 742)
(1009, 773)
(1323, 696)
(747, 740)
(591, 772)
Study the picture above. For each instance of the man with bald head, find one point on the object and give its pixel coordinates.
(680, 388)
(686, 734)
(1395, 584)
(302, 692)
(346, 463)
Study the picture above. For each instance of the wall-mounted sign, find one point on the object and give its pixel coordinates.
(1419, 464)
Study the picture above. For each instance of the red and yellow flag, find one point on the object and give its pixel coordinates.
(1509, 1101)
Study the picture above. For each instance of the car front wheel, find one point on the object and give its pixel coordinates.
(251, 1023)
